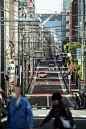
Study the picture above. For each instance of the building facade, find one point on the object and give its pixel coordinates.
(73, 38)
(65, 18)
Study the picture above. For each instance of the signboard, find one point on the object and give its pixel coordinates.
(83, 81)
(79, 53)
(38, 54)
(12, 83)
(69, 54)
(73, 66)
(9, 68)
(79, 62)
(82, 84)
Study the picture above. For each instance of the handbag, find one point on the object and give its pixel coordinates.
(65, 122)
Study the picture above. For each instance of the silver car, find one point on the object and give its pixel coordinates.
(42, 60)
(51, 67)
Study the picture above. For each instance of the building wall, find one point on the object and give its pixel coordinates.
(73, 22)
(2, 75)
(65, 18)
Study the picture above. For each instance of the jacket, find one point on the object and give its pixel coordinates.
(17, 115)
(56, 112)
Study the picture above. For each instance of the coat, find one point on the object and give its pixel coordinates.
(56, 112)
(17, 115)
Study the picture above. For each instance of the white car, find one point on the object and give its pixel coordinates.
(51, 67)
(42, 60)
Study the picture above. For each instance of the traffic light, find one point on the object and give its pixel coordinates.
(64, 54)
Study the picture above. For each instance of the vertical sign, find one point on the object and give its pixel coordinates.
(79, 55)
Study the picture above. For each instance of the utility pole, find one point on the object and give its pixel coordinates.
(83, 50)
(27, 60)
(18, 49)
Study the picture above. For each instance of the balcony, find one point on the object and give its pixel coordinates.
(67, 18)
(67, 34)
(67, 26)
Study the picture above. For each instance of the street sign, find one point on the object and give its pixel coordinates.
(73, 66)
(69, 54)
(83, 81)
(9, 68)
(79, 53)
(12, 83)
(79, 62)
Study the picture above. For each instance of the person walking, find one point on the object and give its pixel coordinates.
(58, 110)
(81, 98)
(77, 102)
(83, 93)
(18, 110)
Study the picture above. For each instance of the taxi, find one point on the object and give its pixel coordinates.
(42, 74)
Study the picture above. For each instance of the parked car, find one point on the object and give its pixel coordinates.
(42, 74)
(42, 60)
(51, 67)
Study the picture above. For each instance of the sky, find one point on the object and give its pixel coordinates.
(48, 6)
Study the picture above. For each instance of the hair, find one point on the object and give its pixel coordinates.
(75, 94)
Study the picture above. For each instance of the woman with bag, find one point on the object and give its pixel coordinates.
(61, 113)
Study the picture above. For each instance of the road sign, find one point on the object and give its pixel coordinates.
(79, 62)
(9, 68)
(82, 81)
(79, 53)
(69, 54)
(12, 83)
(74, 66)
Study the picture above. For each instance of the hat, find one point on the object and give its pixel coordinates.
(56, 96)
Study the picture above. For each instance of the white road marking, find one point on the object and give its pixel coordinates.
(73, 116)
(83, 116)
(43, 108)
(42, 114)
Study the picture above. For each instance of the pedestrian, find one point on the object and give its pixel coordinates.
(19, 109)
(83, 93)
(81, 99)
(85, 100)
(77, 102)
(58, 110)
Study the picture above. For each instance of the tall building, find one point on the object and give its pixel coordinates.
(2, 45)
(81, 20)
(73, 38)
(65, 18)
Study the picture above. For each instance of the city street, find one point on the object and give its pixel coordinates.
(41, 102)
(46, 87)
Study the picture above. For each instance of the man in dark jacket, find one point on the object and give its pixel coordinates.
(58, 109)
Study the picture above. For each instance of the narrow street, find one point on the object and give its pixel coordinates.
(41, 98)
(45, 87)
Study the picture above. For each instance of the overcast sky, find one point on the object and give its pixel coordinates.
(48, 6)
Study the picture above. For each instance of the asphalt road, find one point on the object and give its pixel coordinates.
(45, 87)
(41, 97)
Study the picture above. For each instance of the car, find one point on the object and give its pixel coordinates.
(42, 74)
(42, 60)
(51, 67)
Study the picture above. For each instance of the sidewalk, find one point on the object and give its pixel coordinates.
(65, 74)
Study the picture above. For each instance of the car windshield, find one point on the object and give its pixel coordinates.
(51, 65)
(42, 73)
